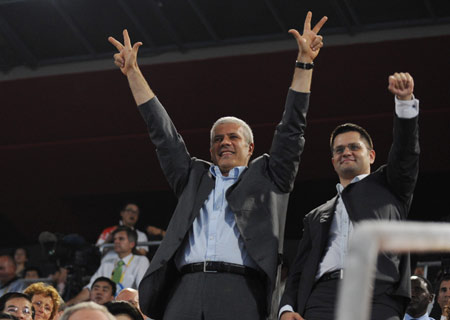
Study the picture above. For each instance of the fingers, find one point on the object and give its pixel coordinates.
(317, 43)
(295, 33)
(401, 81)
(320, 24)
(118, 60)
(115, 43)
(126, 39)
(307, 24)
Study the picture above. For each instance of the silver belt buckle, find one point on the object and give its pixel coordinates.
(205, 267)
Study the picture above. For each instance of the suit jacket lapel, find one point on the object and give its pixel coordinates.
(206, 185)
(326, 215)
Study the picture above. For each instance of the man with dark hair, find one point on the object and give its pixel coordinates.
(421, 297)
(129, 216)
(17, 304)
(31, 272)
(103, 290)
(7, 316)
(123, 267)
(385, 194)
(443, 293)
(9, 281)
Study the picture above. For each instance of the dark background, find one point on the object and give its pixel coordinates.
(73, 148)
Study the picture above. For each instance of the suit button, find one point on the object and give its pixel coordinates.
(163, 262)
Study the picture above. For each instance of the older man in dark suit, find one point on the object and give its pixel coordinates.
(385, 194)
(220, 254)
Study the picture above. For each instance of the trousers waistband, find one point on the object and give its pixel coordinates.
(332, 275)
(218, 266)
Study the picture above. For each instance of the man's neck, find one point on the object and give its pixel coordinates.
(123, 255)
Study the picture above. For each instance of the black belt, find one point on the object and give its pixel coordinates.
(219, 266)
(332, 275)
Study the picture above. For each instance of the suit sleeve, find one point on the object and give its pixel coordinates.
(173, 156)
(292, 285)
(403, 159)
(288, 141)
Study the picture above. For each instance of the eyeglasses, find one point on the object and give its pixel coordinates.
(40, 304)
(131, 210)
(351, 146)
(15, 310)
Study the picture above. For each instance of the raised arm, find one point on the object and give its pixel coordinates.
(288, 141)
(403, 160)
(173, 156)
(126, 60)
(309, 44)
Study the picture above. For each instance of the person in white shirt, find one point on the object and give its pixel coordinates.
(123, 267)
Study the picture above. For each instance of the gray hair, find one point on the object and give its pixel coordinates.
(247, 130)
(86, 305)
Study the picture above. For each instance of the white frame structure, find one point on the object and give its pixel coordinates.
(370, 238)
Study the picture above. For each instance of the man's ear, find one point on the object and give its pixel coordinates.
(372, 155)
(251, 148)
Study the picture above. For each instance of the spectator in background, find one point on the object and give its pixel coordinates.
(45, 300)
(9, 281)
(31, 273)
(124, 267)
(21, 260)
(123, 310)
(443, 296)
(129, 216)
(103, 290)
(132, 296)
(87, 311)
(17, 304)
(421, 297)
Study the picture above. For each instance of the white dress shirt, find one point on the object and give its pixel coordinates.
(133, 270)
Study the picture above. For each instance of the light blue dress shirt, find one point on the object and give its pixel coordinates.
(424, 317)
(214, 235)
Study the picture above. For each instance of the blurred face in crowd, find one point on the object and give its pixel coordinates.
(420, 298)
(31, 274)
(43, 306)
(444, 294)
(20, 256)
(7, 269)
(19, 307)
(101, 292)
(122, 246)
(130, 215)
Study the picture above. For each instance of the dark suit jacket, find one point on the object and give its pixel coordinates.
(258, 199)
(385, 194)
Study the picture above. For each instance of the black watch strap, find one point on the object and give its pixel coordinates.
(302, 65)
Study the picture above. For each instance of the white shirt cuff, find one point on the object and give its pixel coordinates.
(407, 109)
(284, 309)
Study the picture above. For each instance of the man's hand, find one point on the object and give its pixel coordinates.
(155, 231)
(402, 85)
(126, 59)
(309, 43)
(291, 316)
